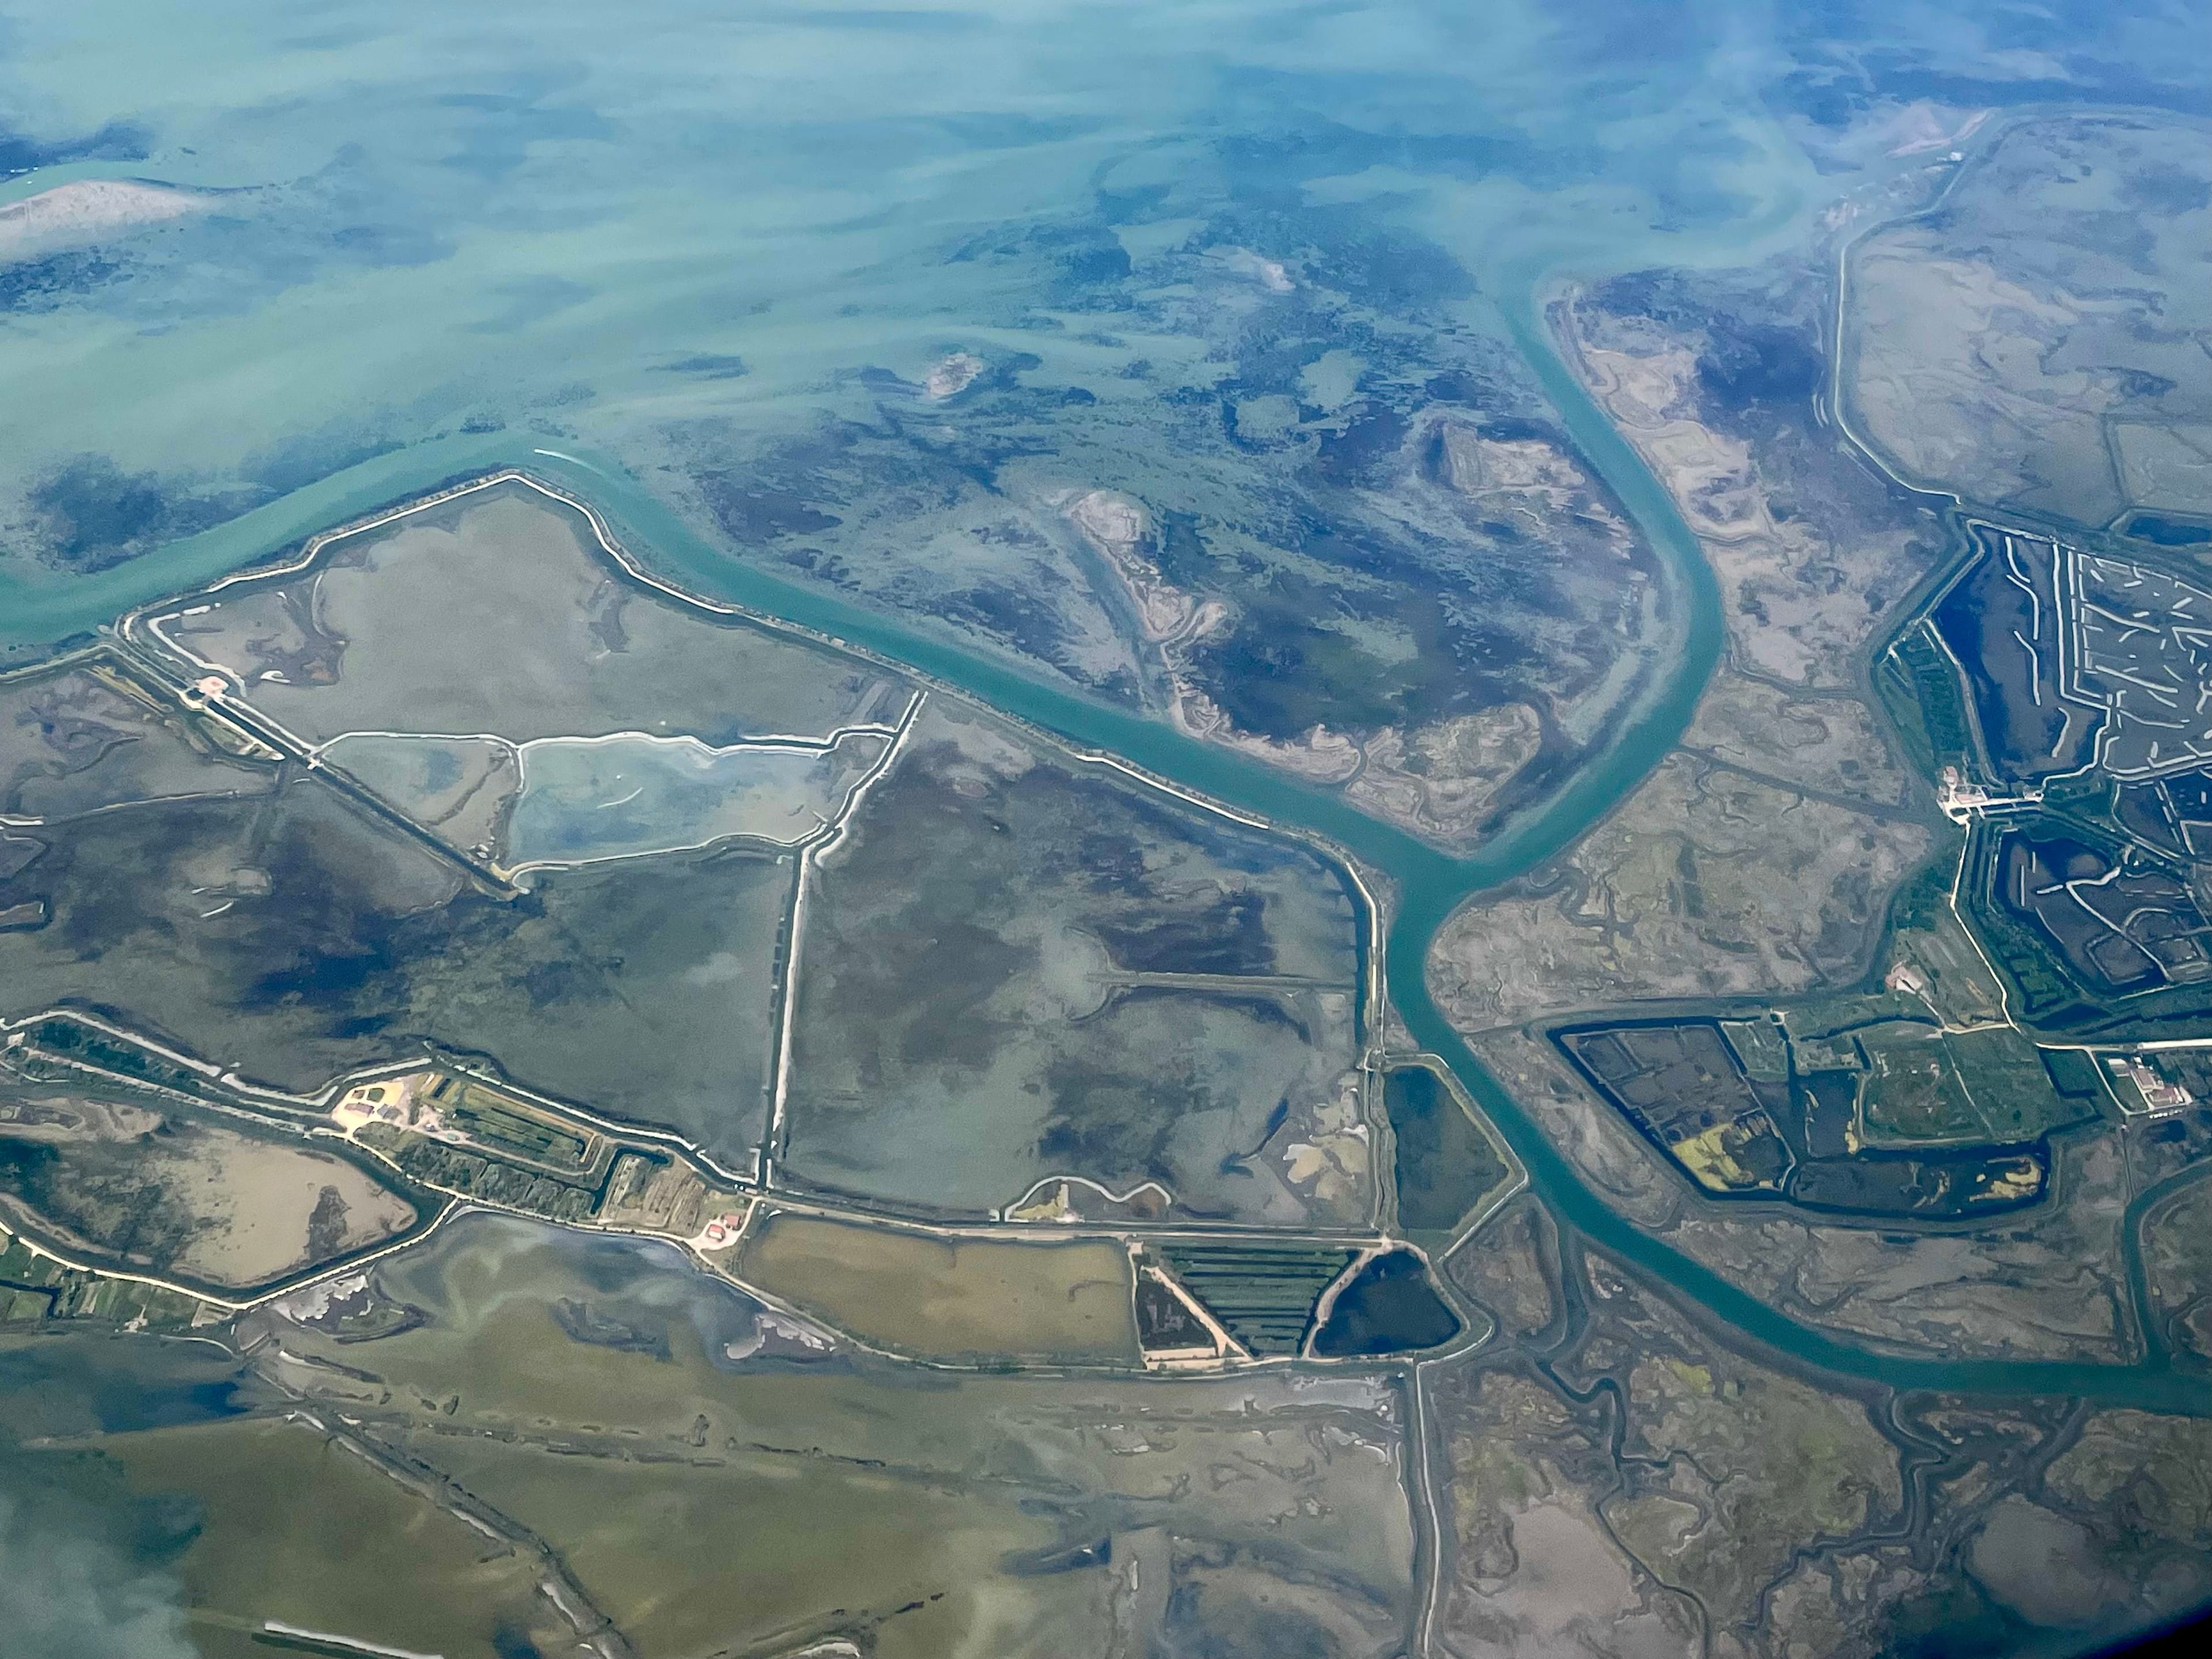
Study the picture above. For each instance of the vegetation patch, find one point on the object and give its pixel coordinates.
(1262, 1294)
(1013, 968)
(1446, 1163)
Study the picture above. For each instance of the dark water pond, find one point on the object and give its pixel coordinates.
(1388, 1307)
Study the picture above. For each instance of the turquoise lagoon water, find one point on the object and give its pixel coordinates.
(428, 218)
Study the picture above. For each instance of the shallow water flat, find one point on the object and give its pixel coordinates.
(1014, 967)
(916, 1294)
(704, 1500)
(500, 614)
(583, 799)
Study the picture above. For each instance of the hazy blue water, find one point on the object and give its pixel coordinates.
(589, 217)
(447, 216)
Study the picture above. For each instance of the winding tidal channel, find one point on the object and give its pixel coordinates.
(1431, 884)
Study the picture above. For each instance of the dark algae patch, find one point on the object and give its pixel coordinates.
(90, 514)
(341, 944)
(1389, 1306)
(1164, 1321)
(2161, 531)
(111, 1202)
(1444, 1164)
(1015, 970)
(581, 1322)
(1994, 621)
